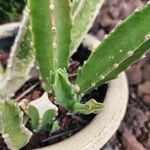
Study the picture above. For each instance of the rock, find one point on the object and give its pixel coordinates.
(146, 71)
(139, 117)
(146, 99)
(112, 2)
(113, 11)
(130, 142)
(144, 88)
(36, 94)
(105, 20)
(100, 35)
(138, 3)
(134, 75)
(124, 10)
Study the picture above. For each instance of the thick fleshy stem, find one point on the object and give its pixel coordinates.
(127, 43)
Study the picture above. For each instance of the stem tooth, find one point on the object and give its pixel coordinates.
(85, 62)
(130, 53)
(54, 29)
(93, 85)
(143, 56)
(116, 65)
(76, 88)
(51, 7)
(121, 51)
(147, 37)
(54, 45)
(106, 36)
(102, 77)
(119, 23)
(138, 9)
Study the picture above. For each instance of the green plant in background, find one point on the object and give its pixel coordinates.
(10, 10)
(57, 28)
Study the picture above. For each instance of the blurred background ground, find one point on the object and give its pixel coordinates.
(10, 10)
(134, 131)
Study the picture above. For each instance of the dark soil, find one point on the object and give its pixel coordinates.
(134, 131)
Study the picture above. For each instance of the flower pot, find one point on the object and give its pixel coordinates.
(106, 122)
(104, 125)
(97, 133)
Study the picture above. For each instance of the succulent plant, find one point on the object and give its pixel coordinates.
(57, 28)
(127, 42)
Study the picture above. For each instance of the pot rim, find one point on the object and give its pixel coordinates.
(8, 30)
(105, 123)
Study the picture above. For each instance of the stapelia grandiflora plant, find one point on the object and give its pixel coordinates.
(57, 28)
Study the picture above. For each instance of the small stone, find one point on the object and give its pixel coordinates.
(144, 88)
(138, 4)
(36, 94)
(114, 12)
(106, 20)
(130, 142)
(146, 71)
(134, 75)
(100, 35)
(125, 10)
(146, 99)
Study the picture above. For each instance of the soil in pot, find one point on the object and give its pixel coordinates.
(69, 125)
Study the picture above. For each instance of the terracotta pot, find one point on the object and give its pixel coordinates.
(105, 124)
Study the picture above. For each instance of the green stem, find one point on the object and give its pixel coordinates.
(41, 29)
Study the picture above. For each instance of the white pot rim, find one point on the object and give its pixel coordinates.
(95, 135)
